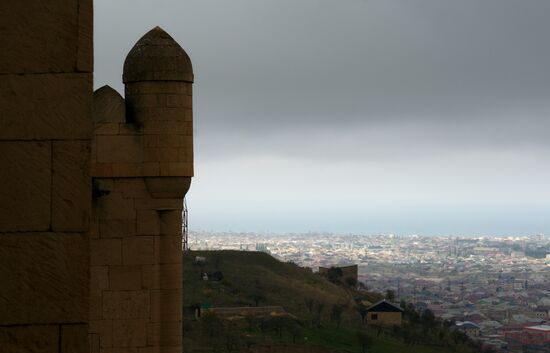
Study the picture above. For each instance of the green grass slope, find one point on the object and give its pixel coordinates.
(258, 279)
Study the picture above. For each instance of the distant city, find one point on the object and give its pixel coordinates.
(499, 284)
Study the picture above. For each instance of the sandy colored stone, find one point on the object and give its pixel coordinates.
(28, 30)
(96, 305)
(103, 328)
(115, 206)
(166, 305)
(170, 223)
(71, 186)
(121, 350)
(74, 338)
(106, 128)
(47, 271)
(131, 187)
(105, 252)
(126, 304)
(176, 169)
(185, 155)
(157, 57)
(148, 222)
(168, 249)
(158, 113)
(94, 342)
(99, 279)
(25, 175)
(125, 277)
(162, 276)
(117, 228)
(158, 204)
(29, 339)
(138, 250)
(161, 349)
(164, 334)
(168, 187)
(119, 149)
(168, 127)
(129, 333)
(85, 53)
(49, 106)
(108, 107)
(147, 87)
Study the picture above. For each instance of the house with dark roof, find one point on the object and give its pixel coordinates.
(384, 313)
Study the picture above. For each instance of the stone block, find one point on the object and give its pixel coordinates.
(166, 305)
(96, 305)
(94, 343)
(158, 204)
(152, 87)
(129, 333)
(132, 187)
(129, 129)
(162, 276)
(138, 250)
(25, 176)
(44, 107)
(119, 149)
(71, 186)
(28, 30)
(106, 128)
(128, 169)
(101, 170)
(125, 277)
(185, 155)
(164, 334)
(117, 228)
(74, 339)
(168, 249)
(120, 350)
(99, 279)
(178, 101)
(103, 328)
(176, 169)
(29, 339)
(126, 305)
(148, 222)
(151, 169)
(188, 115)
(45, 278)
(164, 349)
(105, 252)
(168, 127)
(160, 113)
(115, 206)
(168, 187)
(85, 54)
(170, 223)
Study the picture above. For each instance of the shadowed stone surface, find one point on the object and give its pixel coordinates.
(157, 57)
(141, 167)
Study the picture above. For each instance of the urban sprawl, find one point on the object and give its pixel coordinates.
(500, 286)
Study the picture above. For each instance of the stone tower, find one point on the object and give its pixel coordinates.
(142, 164)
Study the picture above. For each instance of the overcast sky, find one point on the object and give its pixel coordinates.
(365, 116)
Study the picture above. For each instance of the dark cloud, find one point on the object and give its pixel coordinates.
(427, 86)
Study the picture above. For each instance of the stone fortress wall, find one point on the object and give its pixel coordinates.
(142, 163)
(46, 84)
(91, 187)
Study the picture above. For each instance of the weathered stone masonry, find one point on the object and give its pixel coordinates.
(142, 163)
(46, 69)
(91, 187)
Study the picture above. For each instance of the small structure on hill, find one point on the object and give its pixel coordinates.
(384, 313)
(346, 274)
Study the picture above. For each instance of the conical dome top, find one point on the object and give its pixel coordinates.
(108, 106)
(157, 57)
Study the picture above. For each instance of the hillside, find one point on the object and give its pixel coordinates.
(250, 279)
